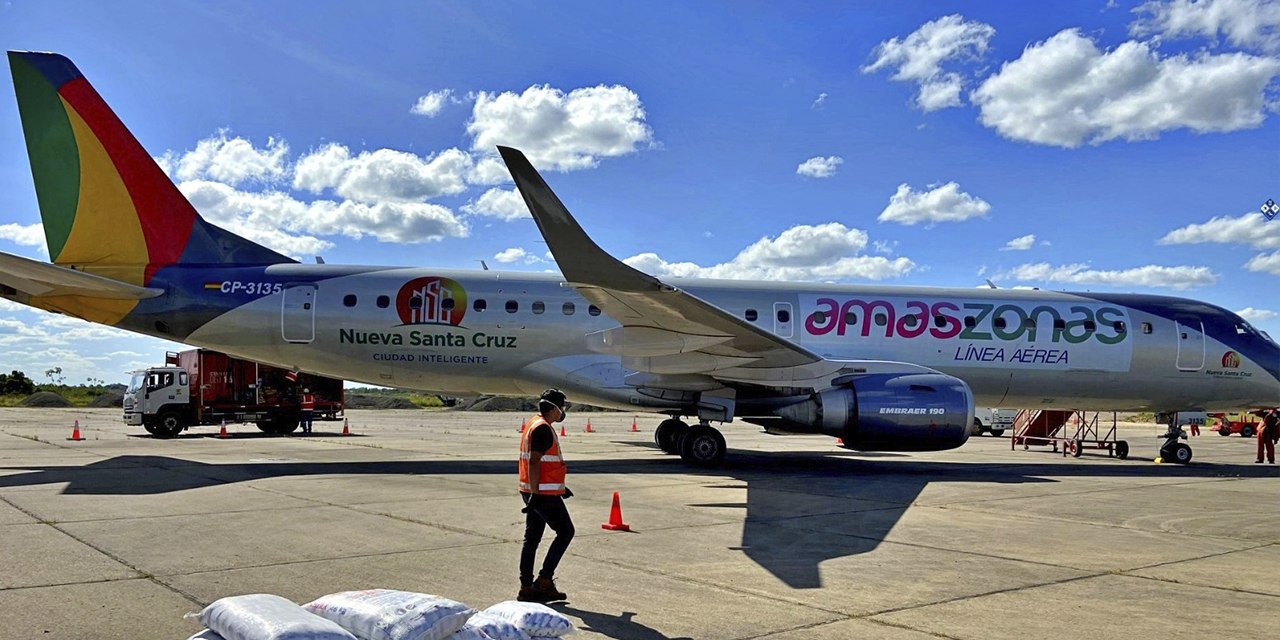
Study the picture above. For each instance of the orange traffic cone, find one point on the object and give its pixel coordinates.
(615, 522)
(222, 433)
(346, 427)
(523, 425)
(75, 432)
(588, 429)
(633, 425)
(840, 442)
(562, 433)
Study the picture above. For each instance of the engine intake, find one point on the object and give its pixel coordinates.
(889, 412)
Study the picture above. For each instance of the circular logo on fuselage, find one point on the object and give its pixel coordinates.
(431, 301)
(1230, 360)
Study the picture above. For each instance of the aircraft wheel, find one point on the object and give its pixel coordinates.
(1180, 453)
(168, 424)
(1247, 431)
(1224, 432)
(667, 435)
(1121, 449)
(702, 446)
(1077, 448)
(996, 433)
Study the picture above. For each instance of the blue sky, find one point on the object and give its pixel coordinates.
(1098, 146)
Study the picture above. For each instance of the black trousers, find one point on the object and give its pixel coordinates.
(544, 511)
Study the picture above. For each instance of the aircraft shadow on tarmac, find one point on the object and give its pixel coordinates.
(876, 491)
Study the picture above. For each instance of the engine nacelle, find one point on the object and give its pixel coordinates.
(890, 412)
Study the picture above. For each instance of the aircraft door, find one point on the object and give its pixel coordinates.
(782, 320)
(298, 313)
(1190, 343)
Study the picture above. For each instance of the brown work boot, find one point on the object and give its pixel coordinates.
(527, 593)
(544, 589)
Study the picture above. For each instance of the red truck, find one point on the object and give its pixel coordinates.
(201, 387)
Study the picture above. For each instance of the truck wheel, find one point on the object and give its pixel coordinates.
(266, 426)
(151, 429)
(1077, 448)
(1224, 431)
(1247, 431)
(996, 433)
(168, 424)
(287, 426)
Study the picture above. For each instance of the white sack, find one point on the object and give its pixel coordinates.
(495, 628)
(384, 614)
(262, 616)
(537, 620)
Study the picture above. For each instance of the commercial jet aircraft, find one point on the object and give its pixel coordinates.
(883, 367)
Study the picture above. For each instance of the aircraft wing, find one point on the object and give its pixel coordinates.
(664, 329)
(40, 279)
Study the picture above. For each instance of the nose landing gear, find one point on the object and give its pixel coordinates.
(1173, 450)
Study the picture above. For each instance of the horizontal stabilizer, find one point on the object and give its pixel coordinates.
(40, 279)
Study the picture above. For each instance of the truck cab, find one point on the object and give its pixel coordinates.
(159, 399)
(993, 421)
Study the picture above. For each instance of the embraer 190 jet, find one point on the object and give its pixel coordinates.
(889, 368)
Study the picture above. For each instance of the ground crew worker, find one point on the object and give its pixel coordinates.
(308, 406)
(1268, 435)
(542, 472)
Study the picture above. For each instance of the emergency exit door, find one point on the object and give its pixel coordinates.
(298, 313)
(1190, 344)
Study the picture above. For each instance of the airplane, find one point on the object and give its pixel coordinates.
(884, 368)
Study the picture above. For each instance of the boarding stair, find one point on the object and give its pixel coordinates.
(1049, 427)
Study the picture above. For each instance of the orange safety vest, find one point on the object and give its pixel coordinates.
(551, 468)
(308, 402)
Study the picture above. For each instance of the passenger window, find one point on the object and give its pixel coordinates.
(349, 300)
(881, 319)
(1031, 323)
(939, 321)
(1146, 327)
(1059, 324)
(970, 322)
(593, 310)
(384, 302)
(538, 307)
(182, 377)
(1000, 323)
(415, 302)
(480, 305)
(1089, 325)
(784, 316)
(850, 318)
(512, 306)
(567, 309)
(1118, 325)
(752, 315)
(819, 317)
(447, 304)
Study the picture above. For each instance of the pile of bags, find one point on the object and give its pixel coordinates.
(376, 614)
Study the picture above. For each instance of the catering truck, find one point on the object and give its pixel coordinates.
(201, 387)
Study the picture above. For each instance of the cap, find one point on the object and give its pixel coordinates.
(554, 397)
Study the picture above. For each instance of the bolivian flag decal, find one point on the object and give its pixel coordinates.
(210, 286)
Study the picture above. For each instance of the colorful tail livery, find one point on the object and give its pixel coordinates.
(107, 206)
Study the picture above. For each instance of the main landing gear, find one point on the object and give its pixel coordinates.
(700, 445)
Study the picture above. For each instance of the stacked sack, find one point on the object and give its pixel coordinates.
(376, 614)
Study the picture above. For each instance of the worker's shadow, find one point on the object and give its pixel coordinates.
(620, 627)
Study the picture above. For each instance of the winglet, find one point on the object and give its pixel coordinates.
(580, 259)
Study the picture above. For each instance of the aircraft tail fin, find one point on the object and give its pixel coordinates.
(106, 205)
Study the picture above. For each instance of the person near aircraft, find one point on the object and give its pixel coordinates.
(542, 487)
(1268, 435)
(308, 406)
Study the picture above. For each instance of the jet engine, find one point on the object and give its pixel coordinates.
(889, 412)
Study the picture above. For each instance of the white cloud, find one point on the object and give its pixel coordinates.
(1021, 243)
(823, 252)
(431, 104)
(1265, 263)
(558, 130)
(819, 167)
(230, 160)
(504, 204)
(884, 247)
(489, 170)
(820, 102)
(940, 204)
(29, 235)
(1181, 277)
(1065, 92)
(919, 58)
(511, 255)
(1251, 229)
(1245, 23)
(383, 174)
(1257, 315)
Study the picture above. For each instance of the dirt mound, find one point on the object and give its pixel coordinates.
(358, 401)
(108, 399)
(44, 400)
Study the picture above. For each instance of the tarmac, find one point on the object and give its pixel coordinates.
(120, 535)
